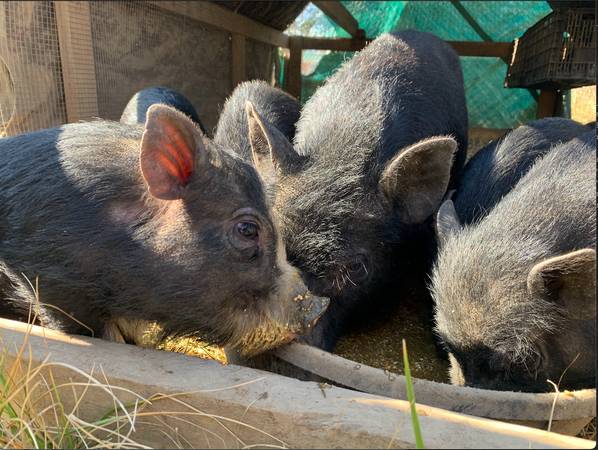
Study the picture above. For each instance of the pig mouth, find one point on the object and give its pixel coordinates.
(273, 333)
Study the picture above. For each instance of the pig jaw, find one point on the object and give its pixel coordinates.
(290, 312)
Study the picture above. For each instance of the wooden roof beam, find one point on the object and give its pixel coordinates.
(227, 20)
(463, 48)
(341, 16)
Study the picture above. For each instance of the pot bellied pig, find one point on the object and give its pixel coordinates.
(514, 293)
(275, 107)
(128, 224)
(499, 165)
(136, 110)
(376, 148)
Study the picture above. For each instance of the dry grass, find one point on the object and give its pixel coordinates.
(38, 411)
(194, 347)
(188, 345)
(33, 414)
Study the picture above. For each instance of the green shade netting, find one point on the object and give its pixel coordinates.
(489, 103)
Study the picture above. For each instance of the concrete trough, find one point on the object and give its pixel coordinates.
(206, 404)
(566, 412)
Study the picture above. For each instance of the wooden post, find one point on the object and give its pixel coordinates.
(547, 103)
(285, 66)
(293, 84)
(76, 58)
(239, 71)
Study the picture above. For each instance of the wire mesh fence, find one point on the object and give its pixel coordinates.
(31, 89)
(67, 61)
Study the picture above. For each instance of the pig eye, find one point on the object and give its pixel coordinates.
(248, 230)
(358, 269)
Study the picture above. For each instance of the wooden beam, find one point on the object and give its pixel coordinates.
(463, 48)
(293, 83)
(341, 16)
(76, 59)
(485, 36)
(471, 21)
(339, 44)
(238, 64)
(223, 18)
(491, 49)
(476, 26)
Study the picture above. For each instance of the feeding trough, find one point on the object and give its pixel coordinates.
(570, 411)
(207, 404)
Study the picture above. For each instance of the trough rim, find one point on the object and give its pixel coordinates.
(499, 405)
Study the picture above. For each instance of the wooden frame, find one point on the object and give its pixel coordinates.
(293, 78)
(463, 48)
(73, 23)
(549, 103)
(227, 20)
(241, 26)
(238, 64)
(73, 17)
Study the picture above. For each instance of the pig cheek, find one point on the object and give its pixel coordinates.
(125, 213)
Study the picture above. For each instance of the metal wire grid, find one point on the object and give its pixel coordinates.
(31, 90)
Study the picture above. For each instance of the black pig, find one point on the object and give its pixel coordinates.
(375, 150)
(502, 163)
(275, 107)
(136, 110)
(515, 292)
(280, 110)
(128, 224)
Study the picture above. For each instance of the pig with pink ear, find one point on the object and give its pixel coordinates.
(128, 224)
(515, 290)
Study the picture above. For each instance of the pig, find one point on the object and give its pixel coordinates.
(276, 107)
(514, 293)
(130, 224)
(280, 110)
(136, 110)
(502, 163)
(375, 150)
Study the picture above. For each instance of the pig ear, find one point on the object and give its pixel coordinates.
(272, 152)
(416, 180)
(168, 147)
(447, 221)
(569, 280)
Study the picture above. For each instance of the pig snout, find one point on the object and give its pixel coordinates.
(290, 313)
(311, 308)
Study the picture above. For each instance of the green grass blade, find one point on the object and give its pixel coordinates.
(419, 442)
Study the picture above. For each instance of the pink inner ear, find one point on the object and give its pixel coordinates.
(176, 156)
(167, 156)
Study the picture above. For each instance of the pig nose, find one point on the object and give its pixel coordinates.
(312, 308)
